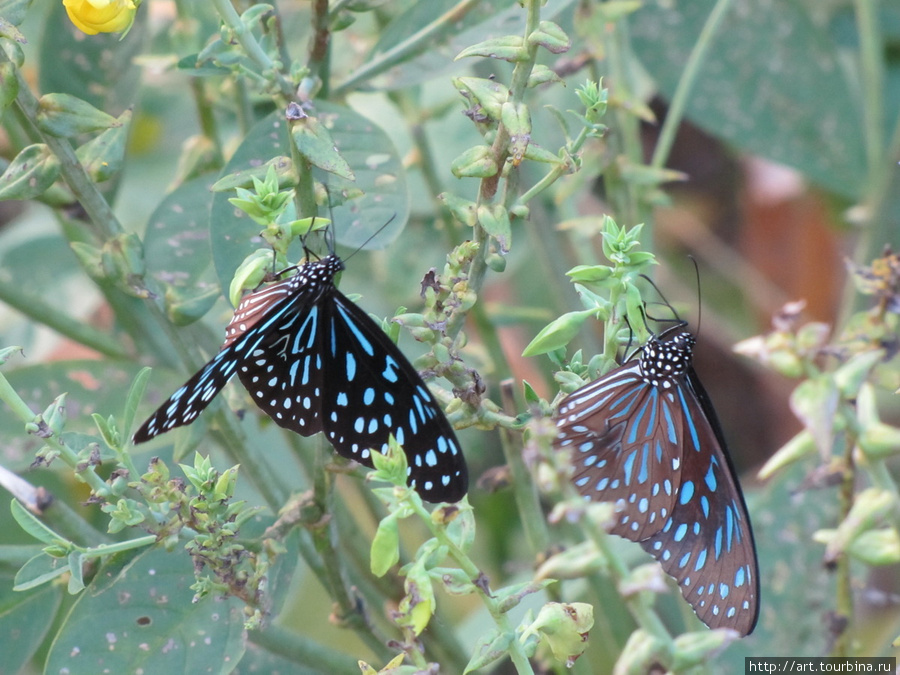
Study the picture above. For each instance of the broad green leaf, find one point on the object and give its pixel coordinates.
(177, 251)
(137, 615)
(25, 621)
(30, 523)
(772, 84)
(65, 115)
(14, 10)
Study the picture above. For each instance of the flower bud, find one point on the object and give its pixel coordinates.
(101, 16)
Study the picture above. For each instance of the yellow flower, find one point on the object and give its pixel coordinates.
(101, 16)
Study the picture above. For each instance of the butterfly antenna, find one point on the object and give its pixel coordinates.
(676, 320)
(699, 298)
(371, 237)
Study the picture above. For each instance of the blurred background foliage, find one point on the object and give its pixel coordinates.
(781, 168)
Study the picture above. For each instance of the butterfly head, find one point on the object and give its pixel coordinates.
(320, 271)
(664, 361)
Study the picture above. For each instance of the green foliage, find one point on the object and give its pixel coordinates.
(169, 170)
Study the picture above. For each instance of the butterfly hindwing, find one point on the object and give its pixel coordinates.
(707, 543)
(376, 392)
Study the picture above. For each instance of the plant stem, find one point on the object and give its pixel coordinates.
(524, 491)
(252, 48)
(299, 649)
(501, 619)
(35, 308)
(692, 68)
(418, 41)
(871, 49)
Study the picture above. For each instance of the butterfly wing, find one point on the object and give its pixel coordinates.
(626, 446)
(707, 543)
(328, 367)
(645, 437)
(375, 392)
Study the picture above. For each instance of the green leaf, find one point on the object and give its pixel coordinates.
(490, 647)
(39, 570)
(788, 100)
(9, 84)
(121, 624)
(486, 96)
(65, 115)
(176, 251)
(284, 170)
(551, 37)
(75, 561)
(26, 618)
(30, 523)
(14, 11)
(463, 210)
(476, 162)
(385, 552)
(31, 172)
(314, 142)
(558, 333)
(815, 403)
(494, 218)
(506, 48)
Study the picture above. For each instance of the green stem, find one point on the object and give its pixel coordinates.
(324, 534)
(302, 650)
(118, 547)
(844, 589)
(527, 500)
(516, 651)
(419, 41)
(871, 61)
(320, 52)
(252, 48)
(83, 470)
(36, 309)
(692, 68)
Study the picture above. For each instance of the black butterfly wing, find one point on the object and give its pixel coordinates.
(374, 392)
(326, 366)
(707, 543)
(626, 448)
(197, 393)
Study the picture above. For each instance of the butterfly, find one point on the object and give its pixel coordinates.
(314, 361)
(646, 438)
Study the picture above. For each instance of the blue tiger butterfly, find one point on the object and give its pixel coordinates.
(314, 361)
(646, 438)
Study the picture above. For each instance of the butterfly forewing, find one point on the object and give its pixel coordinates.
(313, 361)
(646, 438)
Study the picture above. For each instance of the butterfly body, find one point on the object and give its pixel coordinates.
(646, 438)
(313, 361)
